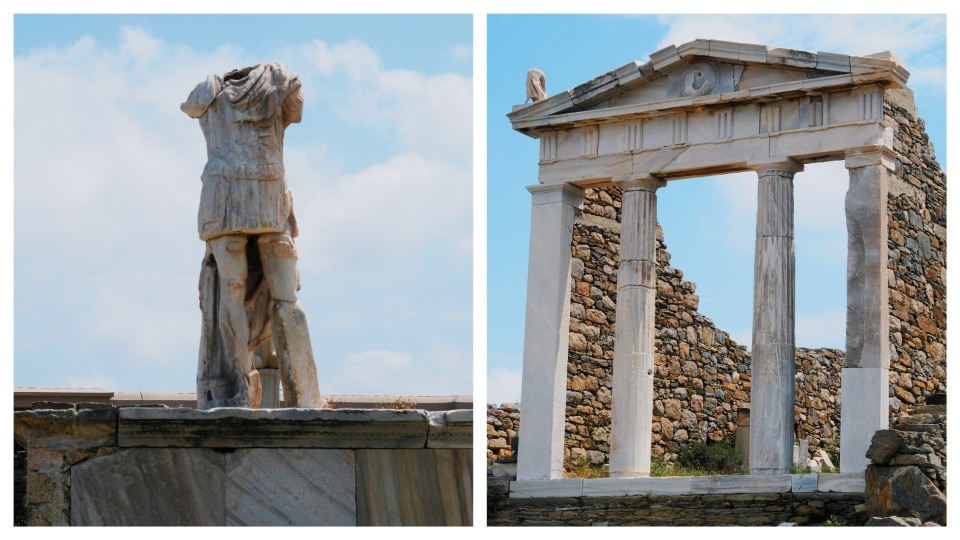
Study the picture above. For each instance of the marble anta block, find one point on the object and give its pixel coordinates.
(415, 487)
(148, 487)
(291, 486)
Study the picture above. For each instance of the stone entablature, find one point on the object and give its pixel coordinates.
(755, 102)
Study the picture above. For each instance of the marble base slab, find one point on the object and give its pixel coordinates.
(689, 485)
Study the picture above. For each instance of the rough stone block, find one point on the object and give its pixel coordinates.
(904, 491)
(884, 445)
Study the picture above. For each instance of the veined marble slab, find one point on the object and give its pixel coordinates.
(562, 487)
(149, 487)
(842, 483)
(291, 486)
(689, 485)
(805, 483)
(755, 483)
(272, 428)
(415, 487)
(618, 487)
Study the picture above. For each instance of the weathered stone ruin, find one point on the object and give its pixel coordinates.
(635, 130)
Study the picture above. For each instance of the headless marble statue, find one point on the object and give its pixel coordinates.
(536, 85)
(253, 323)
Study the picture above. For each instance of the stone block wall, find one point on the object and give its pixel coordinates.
(723, 510)
(95, 464)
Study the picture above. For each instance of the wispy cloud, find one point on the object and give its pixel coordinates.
(503, 386)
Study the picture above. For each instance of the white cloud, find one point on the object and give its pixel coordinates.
(94, 380)
(440, 370)
(825, 329)
(909, 36)
(355, 57)
(367, 362)
(463, 52)
(139, 44)
(431, 114)
(386, 214)
(107, 184)
(503, 386)
(131, 309)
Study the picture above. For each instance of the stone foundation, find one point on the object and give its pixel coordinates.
(95, 464)
(754, 509)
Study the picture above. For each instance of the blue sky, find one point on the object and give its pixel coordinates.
(106, 187)
(106, 183)
(709, 223)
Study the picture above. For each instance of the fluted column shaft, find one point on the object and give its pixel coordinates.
(632, 410)
(772, 364)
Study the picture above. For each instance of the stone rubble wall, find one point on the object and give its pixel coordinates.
(917, 213)
(818, 415)
(703, 377)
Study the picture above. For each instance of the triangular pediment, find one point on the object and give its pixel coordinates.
(705, 72)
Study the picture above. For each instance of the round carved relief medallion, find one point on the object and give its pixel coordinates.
(700, 79)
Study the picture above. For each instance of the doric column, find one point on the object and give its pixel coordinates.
(864, 406)
(545, 340)
(632, 410)
(772, 364)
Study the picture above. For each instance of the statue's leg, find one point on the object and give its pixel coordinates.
(297, 368)
(230, 254)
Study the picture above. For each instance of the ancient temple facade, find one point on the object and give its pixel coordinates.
(706, 108)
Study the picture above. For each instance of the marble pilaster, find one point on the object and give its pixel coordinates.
(864, 381)
(543, 387)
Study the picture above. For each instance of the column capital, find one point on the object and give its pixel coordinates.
(566, 193)
(646, 182)
(776, 164)
(870, 155)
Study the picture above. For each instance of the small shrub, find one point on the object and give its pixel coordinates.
(584, 468)
(496, 498)
(807, 470)
(399, 403)
(714, 457)
(834, 521)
